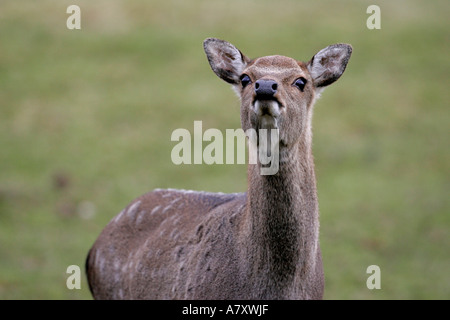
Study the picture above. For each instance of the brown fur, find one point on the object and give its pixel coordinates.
(262, 244)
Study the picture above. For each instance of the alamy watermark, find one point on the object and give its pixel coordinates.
(74, 280)
(374, 20)
(263, 147)
(374, 280)
(74, 20)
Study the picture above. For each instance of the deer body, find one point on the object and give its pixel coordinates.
(262, 244)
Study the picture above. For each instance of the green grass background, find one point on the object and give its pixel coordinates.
(86, 118)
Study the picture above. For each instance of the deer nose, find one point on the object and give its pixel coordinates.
(265, 88)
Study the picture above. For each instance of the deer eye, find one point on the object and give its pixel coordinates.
(245, 80)
(300, 83)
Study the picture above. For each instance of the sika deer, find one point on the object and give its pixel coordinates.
(262, 244)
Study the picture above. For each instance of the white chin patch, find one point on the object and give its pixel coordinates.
(268, 112)
(268, 122)
(270, 107)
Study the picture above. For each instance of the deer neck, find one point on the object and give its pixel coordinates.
(281, 217)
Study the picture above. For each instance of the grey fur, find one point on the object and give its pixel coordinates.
(262, 244)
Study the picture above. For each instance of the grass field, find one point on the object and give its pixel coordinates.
(86, 118)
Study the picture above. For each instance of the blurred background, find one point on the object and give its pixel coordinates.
(86, 118)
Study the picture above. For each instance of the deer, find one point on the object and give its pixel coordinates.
(261, 244)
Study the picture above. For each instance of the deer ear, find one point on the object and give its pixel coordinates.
(225, 59)
(329, 64)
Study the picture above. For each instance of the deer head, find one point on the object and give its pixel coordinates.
(277, 91)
